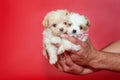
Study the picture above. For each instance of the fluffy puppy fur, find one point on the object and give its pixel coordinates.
(78, 26)
(55, 23)
(61, 22)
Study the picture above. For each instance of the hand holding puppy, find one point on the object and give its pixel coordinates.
(94, 60)
(85, 55)
(61, 22)
(76, 62)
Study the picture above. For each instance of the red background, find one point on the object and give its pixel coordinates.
(21, 36)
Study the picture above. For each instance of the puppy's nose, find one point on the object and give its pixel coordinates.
(61, 29)
(74, 31)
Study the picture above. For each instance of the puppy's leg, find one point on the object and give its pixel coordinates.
(69, 45)
(52, 52)
(60, 49)
(75, 47)
(55, 40)
(65, 45)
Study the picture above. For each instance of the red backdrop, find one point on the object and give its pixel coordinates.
(21, 36)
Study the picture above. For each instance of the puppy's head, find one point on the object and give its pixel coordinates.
(56, 21)
(78, 24)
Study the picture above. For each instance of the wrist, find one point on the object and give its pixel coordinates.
(101, 60)
(94, 61)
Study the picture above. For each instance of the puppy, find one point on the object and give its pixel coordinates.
(78, 26)
(55, 23)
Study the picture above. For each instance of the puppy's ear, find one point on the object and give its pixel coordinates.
(88, 21)
(67, 12)
(63, 11)
(46, 21)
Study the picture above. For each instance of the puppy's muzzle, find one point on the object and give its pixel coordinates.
(61, 29)
(74, 31)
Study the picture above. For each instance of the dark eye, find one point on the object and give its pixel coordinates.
(69, 24)
(65, 23)
(54, 25)
(81, 27)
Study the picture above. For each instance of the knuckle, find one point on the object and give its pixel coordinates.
(66, 70)
(69, 63)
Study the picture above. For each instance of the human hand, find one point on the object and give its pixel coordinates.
(86, 55)
(65, 64)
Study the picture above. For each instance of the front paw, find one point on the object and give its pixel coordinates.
(76, 48)
(55, 40)
(63, 48)
(60, 50)
(53, 60)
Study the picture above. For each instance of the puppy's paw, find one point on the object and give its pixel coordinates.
(53, 60)
(68, 47)
(60, 50)
(84, 38)
(76, 47)
(55, 40)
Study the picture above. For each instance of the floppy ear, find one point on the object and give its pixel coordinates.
(67, 12)
(46, 21)
(88, 21)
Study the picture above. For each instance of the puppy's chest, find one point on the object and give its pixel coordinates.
(50, 37)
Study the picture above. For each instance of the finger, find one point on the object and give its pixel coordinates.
(62, 63)
(77, 59)
(87, 71)
(68, 59)
(45, 53)
(72, 39)
(70, 51)
(57, 65)
(89, 41)
(76, 69)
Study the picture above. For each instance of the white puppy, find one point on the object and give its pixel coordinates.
(78, 26)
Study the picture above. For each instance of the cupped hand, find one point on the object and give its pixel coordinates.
(86, 55)
(65, 64)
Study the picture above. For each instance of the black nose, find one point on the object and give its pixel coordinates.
(74, 31)
(61, 29)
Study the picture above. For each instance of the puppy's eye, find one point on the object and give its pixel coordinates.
(65, 23)
(81, 27)
(54, 25)
(69, 24)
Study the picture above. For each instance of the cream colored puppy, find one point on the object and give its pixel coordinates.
(55, 23)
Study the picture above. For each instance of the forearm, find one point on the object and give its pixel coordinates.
(113, 48)
(109, 61)
(108, 58)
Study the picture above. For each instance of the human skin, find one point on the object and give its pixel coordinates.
(65, 64)
(107, 58)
